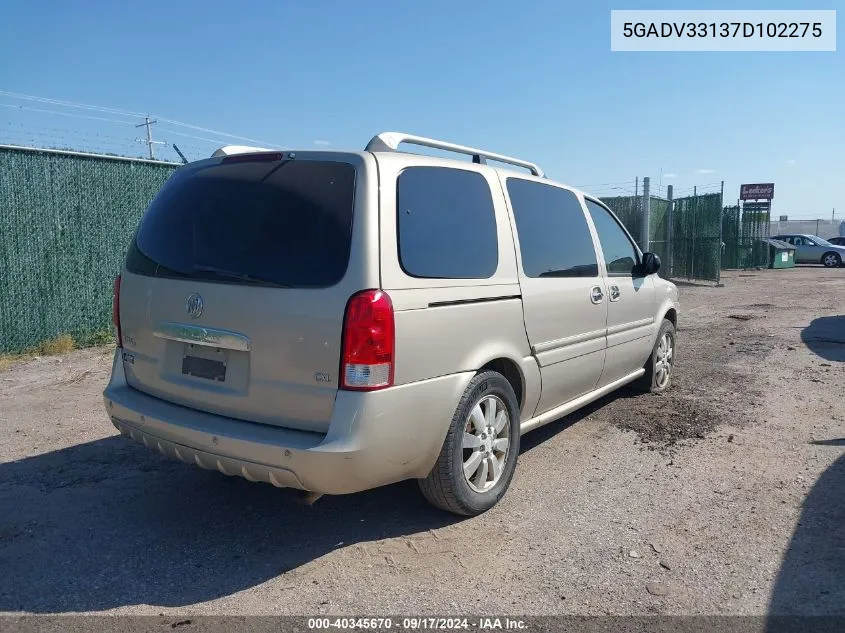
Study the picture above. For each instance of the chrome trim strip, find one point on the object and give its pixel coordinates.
(548, 346)
(198, 335)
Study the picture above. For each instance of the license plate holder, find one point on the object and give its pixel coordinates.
(205, 368)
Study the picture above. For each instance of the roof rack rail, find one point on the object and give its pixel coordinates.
(390, 141)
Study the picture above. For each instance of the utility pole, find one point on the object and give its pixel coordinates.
(646, 212)
(149, 140)
(691, 269)
(670, 228)
(721, 234)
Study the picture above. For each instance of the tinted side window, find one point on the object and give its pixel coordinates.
(446, 224)
(620, 256)
(554, 239)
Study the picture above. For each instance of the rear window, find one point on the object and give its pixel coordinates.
(285, 223)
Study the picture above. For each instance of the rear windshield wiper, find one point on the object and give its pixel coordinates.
(231, 274)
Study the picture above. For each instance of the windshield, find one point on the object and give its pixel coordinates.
(819, 241)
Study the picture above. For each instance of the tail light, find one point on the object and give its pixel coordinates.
(369, 341)
(115, 311)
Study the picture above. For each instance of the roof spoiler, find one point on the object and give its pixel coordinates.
(228, 150)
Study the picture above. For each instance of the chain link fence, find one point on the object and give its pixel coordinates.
(743, 234)
(684, 232)
(66, 219)
(696, 245)
(629, 210)
(659, 226)
(65, 222)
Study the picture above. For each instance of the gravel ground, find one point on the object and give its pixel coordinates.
(723, 496)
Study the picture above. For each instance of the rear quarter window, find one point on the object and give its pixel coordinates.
(446, 224)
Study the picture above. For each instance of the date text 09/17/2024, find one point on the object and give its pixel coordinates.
(418, 624)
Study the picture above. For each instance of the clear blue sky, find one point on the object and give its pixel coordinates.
(536, 81)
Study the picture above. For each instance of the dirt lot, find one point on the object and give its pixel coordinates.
(725, 496)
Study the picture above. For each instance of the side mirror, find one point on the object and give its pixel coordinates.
(651, 264)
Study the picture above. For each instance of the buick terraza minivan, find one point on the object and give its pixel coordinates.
(335, 321)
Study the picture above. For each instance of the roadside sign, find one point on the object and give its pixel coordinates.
(758, 191)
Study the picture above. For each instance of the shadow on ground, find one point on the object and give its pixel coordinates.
(825, 337)
(835, 442)
(109, 524)
(811, 581)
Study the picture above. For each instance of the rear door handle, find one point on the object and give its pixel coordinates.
(596, 294)
(614, 293)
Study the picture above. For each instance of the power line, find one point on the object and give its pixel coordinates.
(603, 184)
(80, 116)
(199, 138)
(69, 104)
(93, 143)
(72, 104)
(210, 131)
(96, 139)
(20, 127)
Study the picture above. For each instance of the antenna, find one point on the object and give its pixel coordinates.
(181, 155)
(149, 140)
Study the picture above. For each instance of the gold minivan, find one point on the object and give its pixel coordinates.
(336, 321)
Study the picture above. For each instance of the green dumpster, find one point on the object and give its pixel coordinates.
(781, 254)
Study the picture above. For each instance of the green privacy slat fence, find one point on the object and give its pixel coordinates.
(744, 230)
(696, 247)
(629, 211)
(65, 221)
(692, 248)
(658, 228)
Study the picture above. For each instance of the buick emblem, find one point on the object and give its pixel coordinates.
(194, 306)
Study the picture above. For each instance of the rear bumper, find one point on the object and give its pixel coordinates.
(374, 438)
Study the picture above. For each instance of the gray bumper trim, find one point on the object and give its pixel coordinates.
(279, 477)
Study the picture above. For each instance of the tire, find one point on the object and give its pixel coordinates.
(832, 260)
(446, 486)
(655, 381)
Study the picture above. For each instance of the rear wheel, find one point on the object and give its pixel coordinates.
(831, 260)
(478, 458)
(661, 363)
